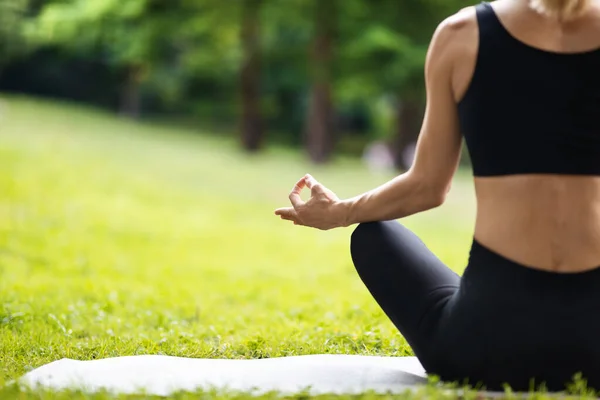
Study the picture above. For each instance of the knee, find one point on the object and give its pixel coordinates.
(363, 241)
(368, 233)
(363, 232)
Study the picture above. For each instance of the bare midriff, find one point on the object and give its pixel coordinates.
(547, 222)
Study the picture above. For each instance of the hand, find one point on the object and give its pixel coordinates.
(322, 211)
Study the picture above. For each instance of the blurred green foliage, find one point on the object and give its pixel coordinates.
(183, 57)
(12, 14)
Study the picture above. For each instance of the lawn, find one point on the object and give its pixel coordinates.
(121, 238)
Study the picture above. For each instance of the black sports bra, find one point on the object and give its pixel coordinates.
(528, 110)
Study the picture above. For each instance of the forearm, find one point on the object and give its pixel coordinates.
(400, 197)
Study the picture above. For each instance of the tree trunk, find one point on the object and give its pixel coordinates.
(130, 103)
(251, 122)
(409, 120)
(320, 137)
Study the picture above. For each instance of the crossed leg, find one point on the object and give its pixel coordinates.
(407, 280)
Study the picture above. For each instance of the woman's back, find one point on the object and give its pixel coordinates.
(533, 131)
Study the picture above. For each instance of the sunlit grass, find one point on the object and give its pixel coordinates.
(119, 238)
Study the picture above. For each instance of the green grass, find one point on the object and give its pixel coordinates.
(119, 238)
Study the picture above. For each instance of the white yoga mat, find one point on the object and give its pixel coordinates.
(164, 375)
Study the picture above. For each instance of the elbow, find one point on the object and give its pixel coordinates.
(438, 197)
(435, 200)
(431, 199)
(432, 195)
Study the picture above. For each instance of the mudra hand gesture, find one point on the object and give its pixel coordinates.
(322, 211)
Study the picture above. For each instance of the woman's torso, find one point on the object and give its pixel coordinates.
(547, 221)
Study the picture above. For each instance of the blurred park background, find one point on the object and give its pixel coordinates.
(144, 145)
(327, 76)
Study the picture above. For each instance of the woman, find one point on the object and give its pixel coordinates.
(521, 81)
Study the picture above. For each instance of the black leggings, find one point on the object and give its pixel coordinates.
(500, 323)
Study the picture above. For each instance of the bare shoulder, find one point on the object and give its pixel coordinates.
(453, 51)
(464, 18)
(456, 37)
(461, 25)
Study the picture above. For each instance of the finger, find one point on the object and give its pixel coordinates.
(292, 218)
(313, 184)
(287, 213)
(287, 218)
(294, 197)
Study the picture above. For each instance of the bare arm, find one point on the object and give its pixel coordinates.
(428, 181)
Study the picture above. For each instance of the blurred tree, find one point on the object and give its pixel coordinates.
(205, 58)
(222, 44)
(384, 54)
(12, 14)
(250, 76)
(287, 27)
(130, 35)
(320, 127)
(298, 59)
(277, 63)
